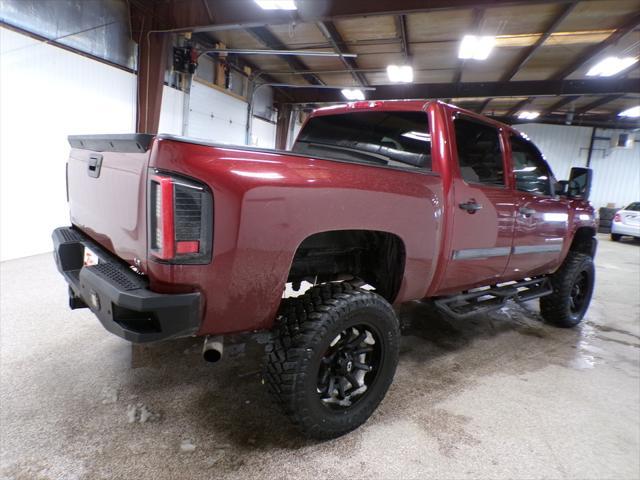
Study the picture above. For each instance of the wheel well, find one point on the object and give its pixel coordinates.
(378, 258)
(584, 241)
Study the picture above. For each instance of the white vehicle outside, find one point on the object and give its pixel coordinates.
(626, 222)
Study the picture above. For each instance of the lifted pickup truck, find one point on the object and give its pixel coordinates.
(378, 203)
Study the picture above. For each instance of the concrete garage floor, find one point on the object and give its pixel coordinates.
(499, 396)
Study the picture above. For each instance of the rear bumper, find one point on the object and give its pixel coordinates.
(119, 297)
(622, 229)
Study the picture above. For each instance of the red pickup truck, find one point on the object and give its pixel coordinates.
(378, 203)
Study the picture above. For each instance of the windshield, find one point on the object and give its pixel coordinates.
(381, 138)
(634, 207)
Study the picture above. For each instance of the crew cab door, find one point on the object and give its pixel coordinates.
(541, 217)
(483, 211)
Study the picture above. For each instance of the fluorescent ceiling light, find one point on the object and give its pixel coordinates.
(355, 94)
(633, 112)
(400, 73)
(610, 66)
(528, 115)
(277, 4)
(476, 47)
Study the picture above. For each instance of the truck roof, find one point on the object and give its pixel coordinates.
(405, 105)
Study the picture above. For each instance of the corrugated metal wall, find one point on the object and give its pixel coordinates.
(46, 94)
(213, 116)
(616, 171)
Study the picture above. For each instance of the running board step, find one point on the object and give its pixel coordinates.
(488, 299)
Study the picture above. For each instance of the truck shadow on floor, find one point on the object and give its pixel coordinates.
(438, 355)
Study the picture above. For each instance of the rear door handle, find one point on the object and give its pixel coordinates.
(471, 206)
(527, 212)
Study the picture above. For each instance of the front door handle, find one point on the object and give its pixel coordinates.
(471, 206)
(527, 212)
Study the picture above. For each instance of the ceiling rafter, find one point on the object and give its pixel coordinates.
(530, 52)
(476, 24)
(532, 88)
(329, 30)
(401, 32)
(190, 15)
(269, 40)
(519, 106)
(559, 104)
(483, 105)
(598, 103)
(604, 122)
(208, 41)
(624, 29)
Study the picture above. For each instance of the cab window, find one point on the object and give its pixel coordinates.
(479, 152)
(398, 139)
(531, 172)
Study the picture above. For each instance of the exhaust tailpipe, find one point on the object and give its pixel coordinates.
(212, 348)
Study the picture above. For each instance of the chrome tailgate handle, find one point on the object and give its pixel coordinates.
(94, 164)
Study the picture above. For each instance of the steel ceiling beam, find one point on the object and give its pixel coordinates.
(483, 105)
(192, 15)
(625, 29)
(208, 41)
(269, 40)
(476, 24)
(330, 32)
(292, 53)
(401, 31)
(603, 122)
(559, 104)
(519, 106)
(597, 103)
(528, 54)
(534, 88)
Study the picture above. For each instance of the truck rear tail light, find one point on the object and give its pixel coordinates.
(617, 218)
(180, 219)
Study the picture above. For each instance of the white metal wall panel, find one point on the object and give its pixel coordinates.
(263, 134)
(616, 172)
(46, 94)
(171, 111)
(216, 116)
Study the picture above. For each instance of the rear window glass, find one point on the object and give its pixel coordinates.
(381, 138)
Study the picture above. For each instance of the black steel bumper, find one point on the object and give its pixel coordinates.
(118, 296)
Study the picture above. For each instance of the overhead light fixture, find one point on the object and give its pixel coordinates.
(476, 47)
(611, 66)
(353, 94)
(400, 73)
(526, 115)
(633, 112)
(277, 4)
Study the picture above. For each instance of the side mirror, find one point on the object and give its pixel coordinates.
(580, 183)
(562, 187)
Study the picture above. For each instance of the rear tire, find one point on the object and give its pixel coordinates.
(572, 290)
(616, 237)
(332, 358)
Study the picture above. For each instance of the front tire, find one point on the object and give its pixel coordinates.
(332, 358)
(572, 290)
(616, 237)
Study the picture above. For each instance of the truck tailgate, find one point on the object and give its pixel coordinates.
(106, 182)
